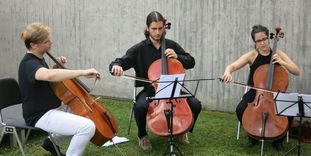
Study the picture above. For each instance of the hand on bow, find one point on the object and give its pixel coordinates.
(227, 77)
(90, 73)
(117, 70)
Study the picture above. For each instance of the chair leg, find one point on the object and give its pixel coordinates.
(239, 123)
(130, 119)
(54, 145)
(20, 145)
(12, 130)
(132, 111)
(2, 134)
(238, 131)
(27, 135)
(287, 136)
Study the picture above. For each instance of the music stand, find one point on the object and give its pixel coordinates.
(169, 88)
(295, 105)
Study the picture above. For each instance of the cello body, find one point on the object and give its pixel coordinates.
(74, 94)
(182, 115)
(275, 126)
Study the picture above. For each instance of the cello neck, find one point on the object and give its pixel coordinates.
(275, 38)
(271, 67)
(163, 48)
(163, 57)
(78, 81)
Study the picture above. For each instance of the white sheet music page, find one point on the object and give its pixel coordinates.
(287, 104)
(165, 89)
(307, 104)
(115, 140)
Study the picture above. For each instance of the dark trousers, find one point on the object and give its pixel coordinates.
(141, 108)
(248, 98)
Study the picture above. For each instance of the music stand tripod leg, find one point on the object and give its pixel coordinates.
(171, 146)
(300, 114)
(169, 113)
(298, 146)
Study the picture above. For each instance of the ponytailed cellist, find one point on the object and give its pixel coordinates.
(262, 54)
(140, 57)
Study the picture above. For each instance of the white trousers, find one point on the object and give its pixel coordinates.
(64, 125)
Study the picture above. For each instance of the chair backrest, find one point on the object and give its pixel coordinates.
(9, 93)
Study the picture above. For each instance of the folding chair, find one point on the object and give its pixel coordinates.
(11, 117)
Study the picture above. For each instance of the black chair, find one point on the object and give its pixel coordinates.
(11, 117)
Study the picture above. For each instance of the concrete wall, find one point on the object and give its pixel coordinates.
(92, 33)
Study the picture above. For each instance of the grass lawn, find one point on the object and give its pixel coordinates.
(214, 135)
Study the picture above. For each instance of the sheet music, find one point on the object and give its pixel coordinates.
(164, 89)
(307, 104)
(115, 140)
(287, 104)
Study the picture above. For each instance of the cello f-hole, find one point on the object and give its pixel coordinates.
(257, 103)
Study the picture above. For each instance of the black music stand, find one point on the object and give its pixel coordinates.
(174, 87)
(295, 105)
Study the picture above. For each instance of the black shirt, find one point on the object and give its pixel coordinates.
(38, 96)
(143, 54)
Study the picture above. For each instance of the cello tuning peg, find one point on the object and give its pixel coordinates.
(271, 35)
(281, 35)
(168, 25)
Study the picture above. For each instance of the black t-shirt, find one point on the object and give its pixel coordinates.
(143, 54)
(38, 96)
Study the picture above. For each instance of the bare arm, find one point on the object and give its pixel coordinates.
(45, 74)
(236, 65)
(281, 58)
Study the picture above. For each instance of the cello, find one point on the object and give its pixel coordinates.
(76, 95)
(182, 115)
(259, 119)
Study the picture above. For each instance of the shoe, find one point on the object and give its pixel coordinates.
(251, 142)
(183, 138)
(278, 146)
(48, 146)
(144, 143)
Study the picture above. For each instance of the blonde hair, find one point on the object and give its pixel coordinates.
(35, 33)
